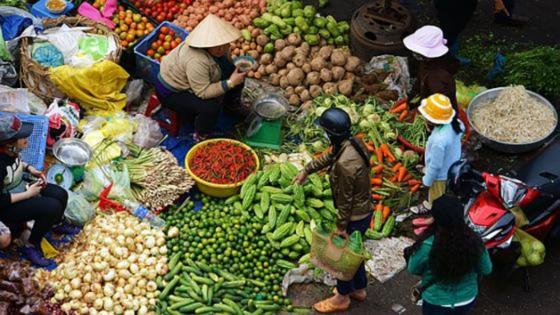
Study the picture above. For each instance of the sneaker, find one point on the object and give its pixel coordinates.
(67, 228)
(36, 256)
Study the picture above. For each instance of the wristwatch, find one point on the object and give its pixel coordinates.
(230, 84)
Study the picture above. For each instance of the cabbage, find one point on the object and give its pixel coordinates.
(374, 118)
(364, 124)
(318, 145)
(368, 109)
(320, 110)
(398, 153)
(354, 116)
(390, 135)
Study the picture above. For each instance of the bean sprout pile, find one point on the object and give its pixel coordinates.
(514, 117)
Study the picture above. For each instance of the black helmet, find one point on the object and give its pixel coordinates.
(463, 180)
(336, 122)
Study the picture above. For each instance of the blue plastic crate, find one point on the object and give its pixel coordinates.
(146, 67)
(34, 154)
(40, 10)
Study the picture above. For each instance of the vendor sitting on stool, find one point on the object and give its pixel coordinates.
(197, 77)
(21, 201)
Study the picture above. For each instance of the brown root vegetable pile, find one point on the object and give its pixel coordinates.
(305, 72)
(19, 293)
(239, 13)
(372, 84)
(253, 47)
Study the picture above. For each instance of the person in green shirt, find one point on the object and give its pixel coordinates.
(450, 258)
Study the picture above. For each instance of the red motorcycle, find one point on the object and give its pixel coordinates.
(489, 199)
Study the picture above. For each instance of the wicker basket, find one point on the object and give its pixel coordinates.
(36, 77)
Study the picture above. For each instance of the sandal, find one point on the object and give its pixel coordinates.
(326, 306)
(420, 230)
(420, 209)
(354, 296)
(419, 222)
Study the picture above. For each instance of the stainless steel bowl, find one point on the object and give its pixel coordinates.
(72, 151)
(489, 95)
(271, 107)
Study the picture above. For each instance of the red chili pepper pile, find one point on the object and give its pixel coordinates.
(222, 162)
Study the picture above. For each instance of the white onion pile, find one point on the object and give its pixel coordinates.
(111, 268)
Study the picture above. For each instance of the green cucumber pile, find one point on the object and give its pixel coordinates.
(288, 211)
(200, 289)
(257, 236)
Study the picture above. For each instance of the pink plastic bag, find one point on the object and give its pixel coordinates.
(104, 16)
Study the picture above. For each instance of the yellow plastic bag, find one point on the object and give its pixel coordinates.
(103, 153)
(119, 127)
(97, 88)
(48, 250)
(533, 251)
(465, 93)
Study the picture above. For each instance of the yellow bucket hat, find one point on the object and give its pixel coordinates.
(437, 109)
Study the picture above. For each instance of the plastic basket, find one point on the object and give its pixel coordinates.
(146, 67)
(34, 154)
(340, 262)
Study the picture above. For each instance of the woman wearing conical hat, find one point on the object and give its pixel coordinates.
(197, 78)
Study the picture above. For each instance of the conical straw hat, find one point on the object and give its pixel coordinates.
(212, 32)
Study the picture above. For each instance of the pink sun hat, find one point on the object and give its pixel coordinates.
(427, 41)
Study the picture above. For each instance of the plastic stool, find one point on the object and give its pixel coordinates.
(171, 124)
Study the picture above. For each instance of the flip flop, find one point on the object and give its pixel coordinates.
(326, 307)
(419, 222)
(420, 230)
(353, 296)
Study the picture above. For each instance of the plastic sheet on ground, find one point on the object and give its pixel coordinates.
(97, 88)
(397, 67)
(386, 257)
(306, 274)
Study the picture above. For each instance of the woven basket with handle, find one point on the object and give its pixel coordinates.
(36, 77)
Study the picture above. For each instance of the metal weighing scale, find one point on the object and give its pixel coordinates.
(73, 154)
(265, 129)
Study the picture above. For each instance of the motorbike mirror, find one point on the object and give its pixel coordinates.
(551, 177)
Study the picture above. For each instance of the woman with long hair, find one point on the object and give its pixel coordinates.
(21, 201)
(450, 258)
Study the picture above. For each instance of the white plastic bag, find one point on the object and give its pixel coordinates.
(78, 211)
(66, 39)
(14, 100)
(133, 91)
(148, 134)
(399, 77)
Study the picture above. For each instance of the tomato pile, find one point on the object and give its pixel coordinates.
(99, 4)
(223, 162)
(162, 10)
(130, 26)
(164, 42)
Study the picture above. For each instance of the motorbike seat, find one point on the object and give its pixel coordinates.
(543, 169)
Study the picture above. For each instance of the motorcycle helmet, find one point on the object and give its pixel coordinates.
(336, 122)
(463, 180)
